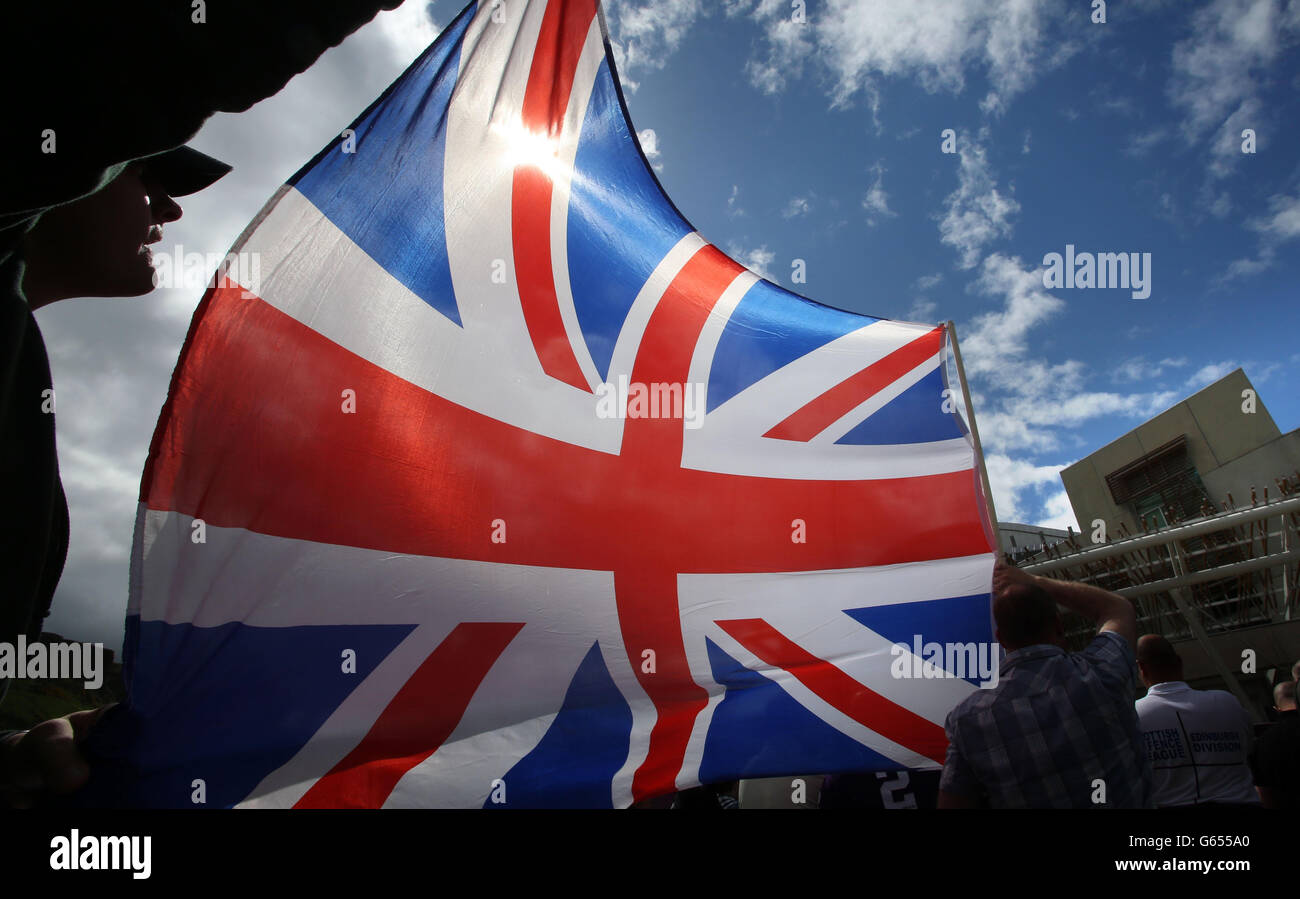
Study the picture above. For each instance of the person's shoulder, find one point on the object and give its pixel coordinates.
(1108, 662)
(1109, 642)
(1149, 703)
(975, 703)
(1110, 648)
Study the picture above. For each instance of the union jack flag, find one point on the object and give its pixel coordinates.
(390, 552)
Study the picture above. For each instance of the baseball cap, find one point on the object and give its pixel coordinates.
(184, 170)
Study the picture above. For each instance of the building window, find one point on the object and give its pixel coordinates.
(1161, 485)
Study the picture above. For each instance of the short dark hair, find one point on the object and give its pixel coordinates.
(1025, 615)
(1158, 655)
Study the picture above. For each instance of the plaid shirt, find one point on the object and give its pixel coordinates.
(1054, 724)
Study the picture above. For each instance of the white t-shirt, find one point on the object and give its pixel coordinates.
(1196, 741)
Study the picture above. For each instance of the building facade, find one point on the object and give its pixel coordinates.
(1185, 462)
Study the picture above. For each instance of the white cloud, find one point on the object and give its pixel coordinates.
(650, 147)
(1280, 225)
(645, 34)
(933, 42)
(1010, 479)
(649, 143)
(1219, 72)
(102, 485)
(1140, 145)
(1060, 514)
(409, 29)
(876, 201)
(999, 336)
(1024, 404)
(798, 206)
(1006, 430)
(629, 84)
(758, 261)
(976, 213)
(1244, 268)
(734, 209)
(922, 310)
(1028, 415)
(1218, 204)
(1258, 372)
(1108, 102)
(1283, 222)
(789, 44)
(1225, 147)
(1208, 374)
(1139, 369)
(1261, 372)
(1031, 399)
(1214, 71)
(925, 282)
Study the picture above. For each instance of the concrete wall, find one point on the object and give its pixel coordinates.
(1219, 433)
(1258, 468)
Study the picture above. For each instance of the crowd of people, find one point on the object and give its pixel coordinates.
(1062, 730)
(1066, 730)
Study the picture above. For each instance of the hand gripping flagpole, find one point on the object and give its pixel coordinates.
(974, 430)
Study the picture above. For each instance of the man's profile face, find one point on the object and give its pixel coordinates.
(98, 245)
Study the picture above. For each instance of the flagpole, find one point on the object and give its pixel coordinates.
(974, 429)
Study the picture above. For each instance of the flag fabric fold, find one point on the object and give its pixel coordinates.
(502, 487)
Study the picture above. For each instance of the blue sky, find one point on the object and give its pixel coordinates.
(821, 141)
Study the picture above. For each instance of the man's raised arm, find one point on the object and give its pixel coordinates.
(1110, 611)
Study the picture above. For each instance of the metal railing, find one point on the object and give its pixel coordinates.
(1240, 568)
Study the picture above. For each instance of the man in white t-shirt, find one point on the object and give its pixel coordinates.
(1196, 740)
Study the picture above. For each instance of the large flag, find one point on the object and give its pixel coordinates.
(503, 487)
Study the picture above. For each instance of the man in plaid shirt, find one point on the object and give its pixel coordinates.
(1059, 730)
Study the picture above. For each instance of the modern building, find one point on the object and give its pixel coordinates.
(1195, 516)
(1218, 443)
(1022, 540)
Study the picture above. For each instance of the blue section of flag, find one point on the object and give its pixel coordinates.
(225, 705)
(914, 416)
(387, 196)
(620, 223)
(583, 749)
(759, 731)
(959, 619)
(770, 328)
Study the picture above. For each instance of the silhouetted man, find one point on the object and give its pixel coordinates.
(1275, 759)
(95, 246)
(67, 138)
